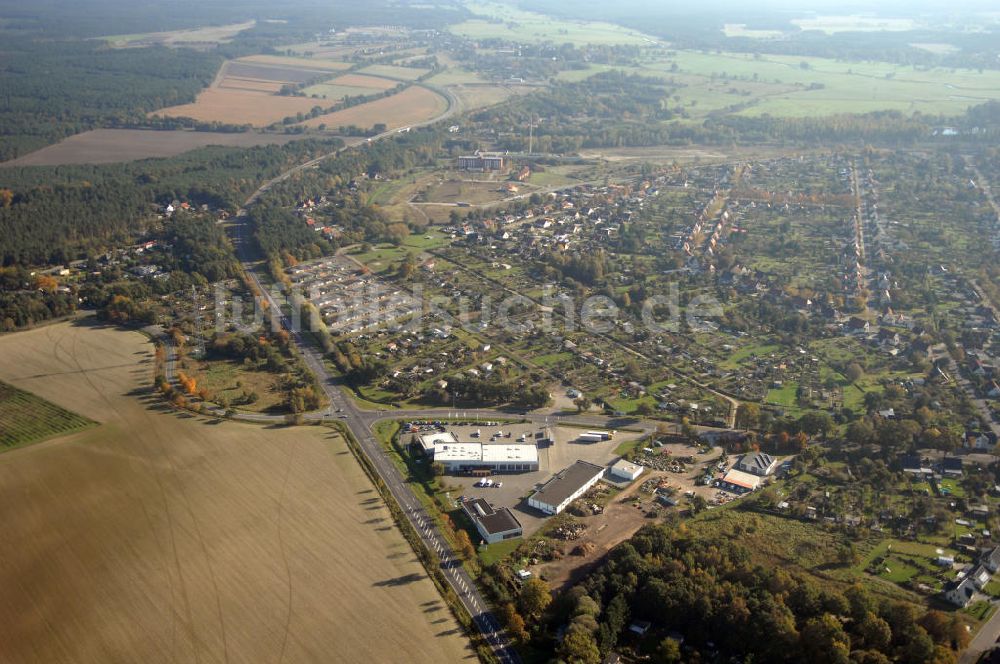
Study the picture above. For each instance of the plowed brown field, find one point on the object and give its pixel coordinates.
(163, 537)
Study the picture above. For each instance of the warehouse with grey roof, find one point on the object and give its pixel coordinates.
(565, 487)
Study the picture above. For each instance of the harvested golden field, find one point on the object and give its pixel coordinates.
(481, 96)
(239, 107)
(413, 105)
(164, 537)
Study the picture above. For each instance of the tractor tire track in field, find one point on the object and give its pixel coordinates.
(179, 487)
(284, 552)
(185, 599)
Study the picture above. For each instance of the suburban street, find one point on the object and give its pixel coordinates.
(985, 639)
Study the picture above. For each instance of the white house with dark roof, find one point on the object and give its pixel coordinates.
(960, 593)
(992, 559)
(981, 576)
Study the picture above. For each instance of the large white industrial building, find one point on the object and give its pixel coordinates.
(495, 457)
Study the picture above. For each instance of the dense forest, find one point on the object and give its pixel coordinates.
(716, 599)
(90, 209)
(50, 90)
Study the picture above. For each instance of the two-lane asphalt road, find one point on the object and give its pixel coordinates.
(360, 424)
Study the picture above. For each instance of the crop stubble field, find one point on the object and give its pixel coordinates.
(412, 105)
(160, 537)
(239, 107)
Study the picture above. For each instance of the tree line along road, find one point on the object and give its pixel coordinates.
(360, 427)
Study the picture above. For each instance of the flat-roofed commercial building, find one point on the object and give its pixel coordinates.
(427, 441)
(567, 485)
(482, 162)
(498, 458)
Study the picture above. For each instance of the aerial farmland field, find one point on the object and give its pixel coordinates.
(111, 146)
(245, 91)
(350, 85)
(25, 418)
(392, 71)
(415, 104)
(526, 26)
(793, 86)
(290, 61)
(240, 107)
(164, 537)
(216, 34)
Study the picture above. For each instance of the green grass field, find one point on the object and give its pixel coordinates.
(503, 21)
(334, 92)
(740, 354)
(456, 76)
(791, 86)
(26, 419)
(952, 487)
(395, 72)
(785, 396)
(493, 553)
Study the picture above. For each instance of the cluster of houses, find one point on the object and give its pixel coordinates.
(577, 218)
(973, 578)
(307, 210)
(349, 298)
(416, 357)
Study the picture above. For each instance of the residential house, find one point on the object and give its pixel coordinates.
(980, 576)
(980, 440)
(888, 337)
(858, 326)
(951, 466)
(960, 593)
(991, 559)
(911, 463)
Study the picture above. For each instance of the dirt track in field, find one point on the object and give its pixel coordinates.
(161, 537)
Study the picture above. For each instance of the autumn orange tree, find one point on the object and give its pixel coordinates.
(188, 383)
